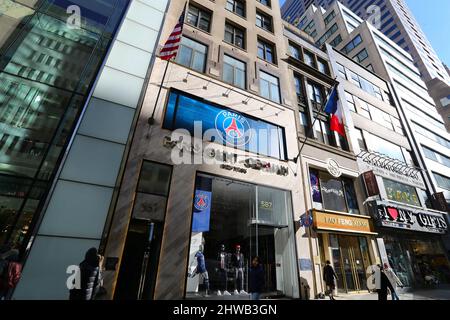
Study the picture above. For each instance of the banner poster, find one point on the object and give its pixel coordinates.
(202, 211)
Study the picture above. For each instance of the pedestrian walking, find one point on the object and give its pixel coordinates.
(329, 276)
(384, 285)
(394, 280)
(256, 279)
(89, 275)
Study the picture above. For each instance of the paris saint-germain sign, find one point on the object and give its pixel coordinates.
(233, 128)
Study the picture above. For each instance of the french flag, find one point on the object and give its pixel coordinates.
(332, 107)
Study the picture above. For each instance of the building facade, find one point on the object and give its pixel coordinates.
(395, 20)
(73, 74)
(375, 52)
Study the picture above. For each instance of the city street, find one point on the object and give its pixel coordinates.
(441, 293)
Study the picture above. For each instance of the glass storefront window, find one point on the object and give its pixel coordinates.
(259, 219)
(333, 194)
(413, 259)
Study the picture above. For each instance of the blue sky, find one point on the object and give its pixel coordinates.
(433, 17)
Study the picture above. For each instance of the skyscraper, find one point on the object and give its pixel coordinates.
(396, 22)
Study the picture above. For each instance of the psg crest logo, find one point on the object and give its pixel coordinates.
(201, 201)
(233, 128)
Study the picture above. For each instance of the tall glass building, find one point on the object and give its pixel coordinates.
(396, 22)
(47, 67)
(72, 74)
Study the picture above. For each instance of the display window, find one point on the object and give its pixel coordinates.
(401, 192)
(329, 193)
(417, 262)
(232, 223)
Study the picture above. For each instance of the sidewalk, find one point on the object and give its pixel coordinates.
(441, 293)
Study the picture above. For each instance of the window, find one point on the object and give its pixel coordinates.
(364, 109)
(350, 101)
(315, 94)
(329, 17)
(183, 110)
(431, 135)
(154, 179)
(400, 192)
(361, 56)
(266, 51)
(264, 21)
(329, 193)
(309, 59)
(436, 156)
(234, 71)
(360, 137)
(336, 41)
(327, 35)
(385, 147)
(192, 54)
(298, 81)
(199, 18)
(442, 182)
(304, 123)
(323, 66)
(265, 2)
(295, 51)
(310, 26)
(352, 44)
(236, 6)
(341, 71)
(235, 35)
(269, 87)
(323, 132)
(381, 117)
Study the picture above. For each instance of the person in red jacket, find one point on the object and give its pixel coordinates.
(11, 276)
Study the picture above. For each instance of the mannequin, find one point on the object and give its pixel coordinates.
(238, 265)
(222, 260)
(201, 269)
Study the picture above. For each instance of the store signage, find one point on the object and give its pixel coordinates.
(306, 220)
(228, 159)
(333, 168)
(371, 184)
(233, 127)
(390, 168)
(402, 217)
(342, 222)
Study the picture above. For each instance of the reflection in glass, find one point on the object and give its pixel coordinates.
(46, 71)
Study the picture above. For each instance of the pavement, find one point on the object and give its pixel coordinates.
(440, 293)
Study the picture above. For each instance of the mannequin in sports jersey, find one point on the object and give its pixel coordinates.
(201, 269)
(222, 269)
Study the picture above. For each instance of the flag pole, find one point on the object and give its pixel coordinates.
(312, 125)
(151, 120)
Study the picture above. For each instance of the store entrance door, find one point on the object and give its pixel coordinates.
(352, 259)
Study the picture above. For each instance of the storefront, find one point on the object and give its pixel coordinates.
(235, 220)
(411, 243)
(215, 188)
(344, 241)
(345, 236)
(410, 233)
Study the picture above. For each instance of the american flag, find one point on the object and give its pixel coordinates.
(172, 44)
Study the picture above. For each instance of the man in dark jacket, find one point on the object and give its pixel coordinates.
(384, 285)
(328, 276)
(256, 279)
(89, 274)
